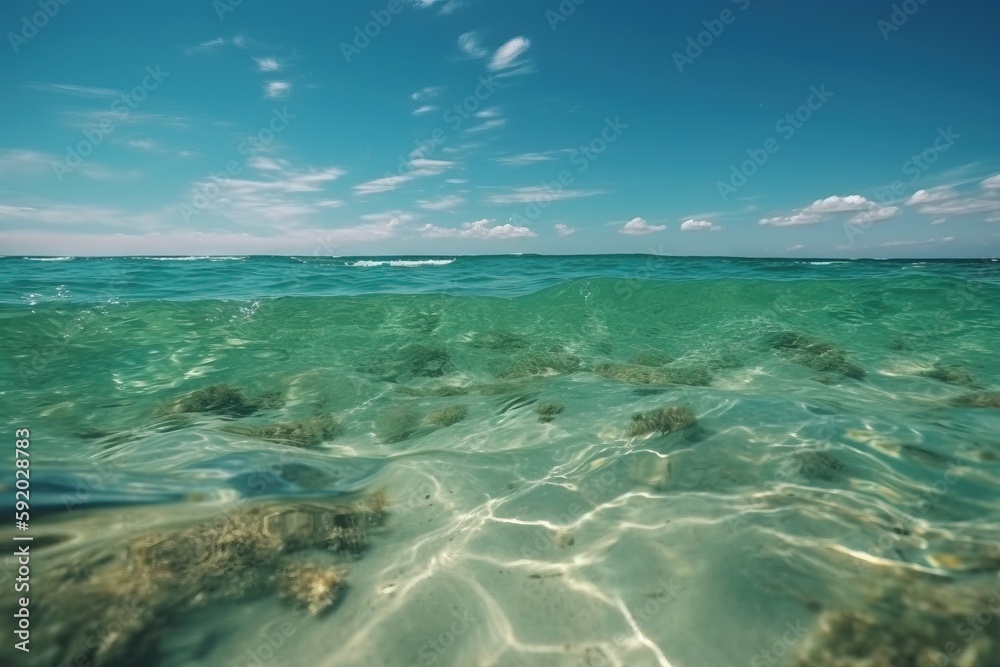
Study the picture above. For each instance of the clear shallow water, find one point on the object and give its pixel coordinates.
(836, 499)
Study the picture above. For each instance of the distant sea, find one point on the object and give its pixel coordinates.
(504, 460)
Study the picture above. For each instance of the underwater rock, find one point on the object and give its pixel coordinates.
(396, 424)
(308, 433)
(311, 586)
(650, 358)
(688, 375)
(949, 374)
(547, 410)
(979, 399)
(110, 608)
(538, 363)
(224, 399)
(820, 465)
(664, 420)
(410, 361)
(447, 416)
(502, 341)
(816, 354)
(907, 626)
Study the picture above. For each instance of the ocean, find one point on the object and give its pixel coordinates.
(504, 460)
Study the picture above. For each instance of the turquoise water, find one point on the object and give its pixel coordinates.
(824, 490)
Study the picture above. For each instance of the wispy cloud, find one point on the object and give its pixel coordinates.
(269, 64)
(445, 203)
(699, 226)
(425, 109)
(469, 43)
(29, 162)
(638, 227)
(417, 167)
(524, 159)
(281, 193)
(992, 183)
(539, 193)
(426, 93)
(72, 89)
(508, 56)
(207, 46)
(491, 124)
(824, 209)
(480, 229)
(564, 230)
(276, 90)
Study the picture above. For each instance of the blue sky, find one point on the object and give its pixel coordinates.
(724, 127)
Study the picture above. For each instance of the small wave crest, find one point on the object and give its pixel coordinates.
(407, 263)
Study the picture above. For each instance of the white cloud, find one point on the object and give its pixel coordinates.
(488, 125)
(793, 248)
(72, 89)
(699, 226)
(426, 93)
(638, 226)
(443, 204)
(822, 209)
(875, 215)
(393, 218)
(206, 47)
(456, 181)
(524, 159)
(968, 206)
(275, 90)
(267, 64)
(469, 44)
(281, 194)
(480, 229)
(418, 167)
(939, 221)
(142, 144)
(921, 197)
(564, 230)
(427, 108)
(20, 161)
(379, 185)
(992, 183)
(492, 112)
(507, 55)
(538, 194)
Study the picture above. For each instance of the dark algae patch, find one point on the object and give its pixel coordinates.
(979, 399)
(224, 399)
(687, 375)
(547, 410)
(816, 354)
(307, 433)
(110, 608)
(663, 420)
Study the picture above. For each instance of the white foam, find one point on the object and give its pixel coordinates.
(407, 263)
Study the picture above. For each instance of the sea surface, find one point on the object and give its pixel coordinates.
(506, 460)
